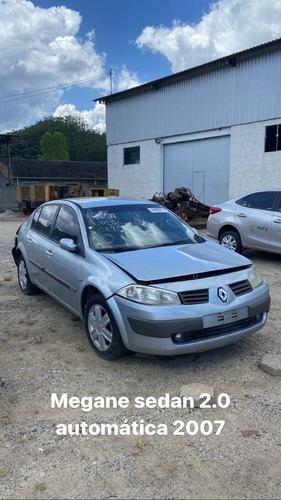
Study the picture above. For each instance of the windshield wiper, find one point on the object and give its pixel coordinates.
(117, 249)
(171, 243)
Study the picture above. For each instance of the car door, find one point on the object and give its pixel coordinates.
(253, 218)
(35, 241)
(275, 236)
(62, 266)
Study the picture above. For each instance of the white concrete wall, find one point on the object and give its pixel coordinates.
(141, 180)
(250, 167)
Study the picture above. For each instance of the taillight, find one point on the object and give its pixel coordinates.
(214, 210)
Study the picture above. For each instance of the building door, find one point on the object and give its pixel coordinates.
(201, 165)
(198, 185)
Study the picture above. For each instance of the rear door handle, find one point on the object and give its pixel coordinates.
(241, 215)
(49, 252)
(29, 240)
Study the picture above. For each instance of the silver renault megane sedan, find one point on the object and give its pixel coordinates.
(139, 277)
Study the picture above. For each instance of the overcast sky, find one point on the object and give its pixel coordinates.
(56, 55)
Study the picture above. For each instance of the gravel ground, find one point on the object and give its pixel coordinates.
(44, 350)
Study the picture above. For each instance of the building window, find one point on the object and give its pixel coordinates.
(131, 155)
(272, 138)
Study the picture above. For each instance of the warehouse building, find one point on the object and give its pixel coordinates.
(213, 128)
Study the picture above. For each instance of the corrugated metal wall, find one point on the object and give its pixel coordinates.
(229, 96)
(202, 165)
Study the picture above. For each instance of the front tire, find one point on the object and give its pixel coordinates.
(231, 240)
(102, 330)
(25, 284)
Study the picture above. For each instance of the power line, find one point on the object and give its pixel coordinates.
(47, 90)
(128, 78)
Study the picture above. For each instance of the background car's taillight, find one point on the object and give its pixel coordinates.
(214, 210)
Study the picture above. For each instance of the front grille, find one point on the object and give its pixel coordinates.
(217, 331)
(195, 296)
(241, 288)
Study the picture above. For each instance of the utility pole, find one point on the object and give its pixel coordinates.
(6, 139)
(110, 76)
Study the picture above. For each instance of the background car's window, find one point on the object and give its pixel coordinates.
(263, 201)
(35, 218)
(245, 201)
(46, 219)
(66, 225)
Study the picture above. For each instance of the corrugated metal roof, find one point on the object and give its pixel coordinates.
(231, 60)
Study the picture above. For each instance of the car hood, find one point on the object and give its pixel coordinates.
(164, 263)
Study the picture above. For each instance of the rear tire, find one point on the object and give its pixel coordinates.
(231, 240)
(25, 284)
(102, 330)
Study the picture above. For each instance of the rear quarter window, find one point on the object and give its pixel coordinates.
(245, 201)
(46, 219)
(35, 218)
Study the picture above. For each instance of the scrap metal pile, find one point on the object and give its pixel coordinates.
(184, 204)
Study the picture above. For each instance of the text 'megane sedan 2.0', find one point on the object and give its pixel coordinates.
(139, 277)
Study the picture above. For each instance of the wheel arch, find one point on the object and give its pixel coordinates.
(17, 256)
(228, 227)
(87, 293)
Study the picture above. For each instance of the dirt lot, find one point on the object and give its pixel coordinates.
(44, 350)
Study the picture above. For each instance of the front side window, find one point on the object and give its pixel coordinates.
(272, 138)
(66, 225)
(133, 227)
(46, 219)
(131, 155)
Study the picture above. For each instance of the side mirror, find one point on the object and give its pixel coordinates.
(68, 244)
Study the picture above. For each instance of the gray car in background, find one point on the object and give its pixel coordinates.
(249, 221)
(139, 277)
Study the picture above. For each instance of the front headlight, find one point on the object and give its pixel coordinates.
(255, 278)
(149, 295)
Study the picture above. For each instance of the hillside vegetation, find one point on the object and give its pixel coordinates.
(82, 144)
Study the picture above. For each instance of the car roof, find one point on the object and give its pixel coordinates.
(102, 201)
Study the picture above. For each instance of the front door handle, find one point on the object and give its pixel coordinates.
(49, 252)
(277, 221)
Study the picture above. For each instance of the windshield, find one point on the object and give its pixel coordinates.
(130, 227)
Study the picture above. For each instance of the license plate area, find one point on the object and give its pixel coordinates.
(224, 318)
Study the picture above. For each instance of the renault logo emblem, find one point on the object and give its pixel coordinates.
(222, 294)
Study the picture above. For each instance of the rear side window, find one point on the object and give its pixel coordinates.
(46, 219)
(259, 201)
(263, 201)
(66, 225)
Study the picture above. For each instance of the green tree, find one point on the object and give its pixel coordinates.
(53, 147)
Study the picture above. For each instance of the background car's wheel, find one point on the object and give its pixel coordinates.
(231, 240)
(102, 330)
(24, 281)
